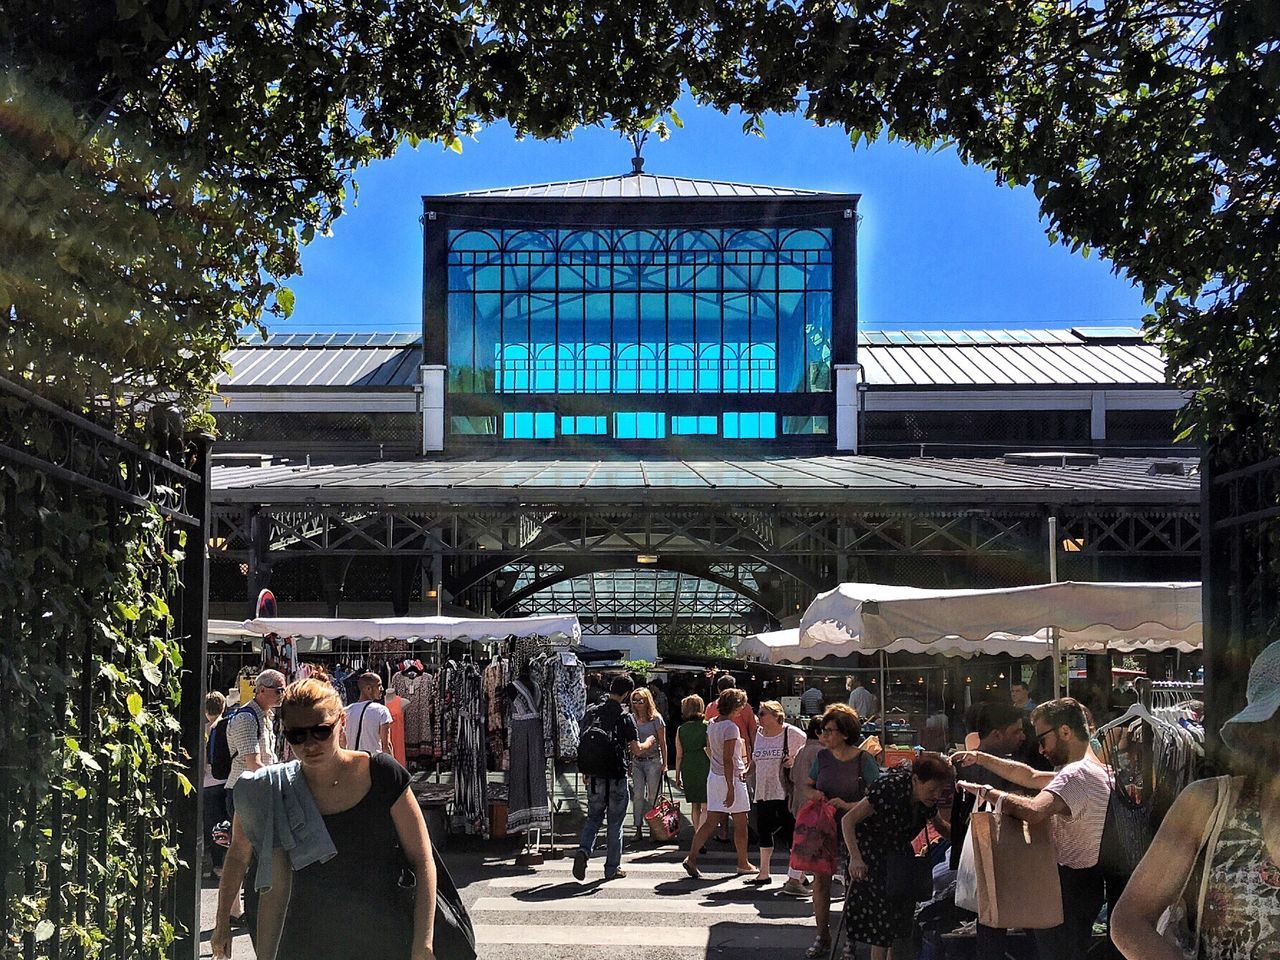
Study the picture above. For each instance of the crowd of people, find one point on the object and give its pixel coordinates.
(340, 823)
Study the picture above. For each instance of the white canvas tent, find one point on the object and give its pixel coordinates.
(1069, 615)
(427, 629)
(783, 646)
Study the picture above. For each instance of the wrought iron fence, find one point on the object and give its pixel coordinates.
(102, 575)
(1241, 574)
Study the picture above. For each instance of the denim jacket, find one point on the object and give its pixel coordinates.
(277, 811)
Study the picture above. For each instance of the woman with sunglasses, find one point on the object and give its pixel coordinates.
(648, 766)
(344, 818)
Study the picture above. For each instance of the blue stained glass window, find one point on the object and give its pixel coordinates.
(695, 426)
(640, 311)
(529, 426)
(639, 426)
(584, 426)
(750, 426)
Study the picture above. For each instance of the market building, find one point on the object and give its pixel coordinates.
(646, 400)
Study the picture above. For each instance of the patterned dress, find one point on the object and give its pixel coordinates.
(495, 679)
(870, 916)
(470, 778)
(570, 705)
(419, 706)
(1242, 907)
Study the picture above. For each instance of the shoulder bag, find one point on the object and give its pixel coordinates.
(664, 818)
(909, 877)
(1175, 923)
(454, 937)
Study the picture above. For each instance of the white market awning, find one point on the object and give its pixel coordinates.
(783, 646)
(427, 629)
(1087, 616)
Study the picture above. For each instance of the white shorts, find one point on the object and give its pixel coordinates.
(716, 788)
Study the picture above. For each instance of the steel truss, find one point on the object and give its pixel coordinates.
(501, 558)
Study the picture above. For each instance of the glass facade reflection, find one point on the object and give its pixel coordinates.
(639, 311)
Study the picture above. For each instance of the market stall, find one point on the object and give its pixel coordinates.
(1062, 616)
(476, 696)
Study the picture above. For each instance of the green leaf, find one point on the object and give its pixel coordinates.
(151, 673)
(285, 299)
(134, 703)
(44, 930)
(187, 788)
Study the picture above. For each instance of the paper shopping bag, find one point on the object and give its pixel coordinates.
(1017, 873)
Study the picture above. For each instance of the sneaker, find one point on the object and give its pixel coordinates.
(617, 875)
(794, 888)
(579, 866)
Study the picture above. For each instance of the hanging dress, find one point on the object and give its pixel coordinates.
(527, 776)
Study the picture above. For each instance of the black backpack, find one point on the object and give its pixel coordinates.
(219, 750)
(599, 752)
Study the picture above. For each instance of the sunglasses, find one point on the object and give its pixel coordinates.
(320, 733)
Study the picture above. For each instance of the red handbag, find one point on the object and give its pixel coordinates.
(815, 842)
(664, 818)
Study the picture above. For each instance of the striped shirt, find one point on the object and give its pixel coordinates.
(1085, 787)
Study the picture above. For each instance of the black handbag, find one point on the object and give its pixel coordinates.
(909, 877)
(454, 937)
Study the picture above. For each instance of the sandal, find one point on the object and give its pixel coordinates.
(691, 870)
(819, 948)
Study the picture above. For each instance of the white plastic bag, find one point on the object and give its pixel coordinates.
(967, 877)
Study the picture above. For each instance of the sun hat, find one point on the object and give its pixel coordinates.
(1262, 693)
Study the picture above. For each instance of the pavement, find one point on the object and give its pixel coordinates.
(655, 913)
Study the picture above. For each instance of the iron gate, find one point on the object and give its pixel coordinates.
(1241, 573)
(101, 692)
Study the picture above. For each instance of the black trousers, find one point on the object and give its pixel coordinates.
(1083, 894)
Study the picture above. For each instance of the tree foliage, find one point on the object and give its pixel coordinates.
(165, 160)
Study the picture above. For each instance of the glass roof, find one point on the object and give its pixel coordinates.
(635, 594)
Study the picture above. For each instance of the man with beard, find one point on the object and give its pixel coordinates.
(1073, 798)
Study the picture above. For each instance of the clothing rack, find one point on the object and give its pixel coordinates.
(1148, 688)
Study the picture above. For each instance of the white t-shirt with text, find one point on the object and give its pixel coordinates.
(767, 757)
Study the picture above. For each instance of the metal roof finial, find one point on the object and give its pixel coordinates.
(637, 142)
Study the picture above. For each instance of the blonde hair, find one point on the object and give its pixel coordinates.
(775, 708)
(692, 707)
(313, 693)
(651, 708)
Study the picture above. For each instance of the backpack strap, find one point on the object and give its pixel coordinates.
(257, 722)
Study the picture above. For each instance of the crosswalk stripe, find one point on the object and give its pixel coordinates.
(640, 866)
(623, 883)
(782, 912)
(743, 936)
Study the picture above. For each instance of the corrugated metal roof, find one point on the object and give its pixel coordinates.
(645, 185)
(890, 358)
(812, 479)
(255, 368)
(1073, 364)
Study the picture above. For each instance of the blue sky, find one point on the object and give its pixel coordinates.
(940, 245)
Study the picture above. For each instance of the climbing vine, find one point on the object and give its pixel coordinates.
(89, 740)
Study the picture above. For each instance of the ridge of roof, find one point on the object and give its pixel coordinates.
(940, 337)
(642, 185)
